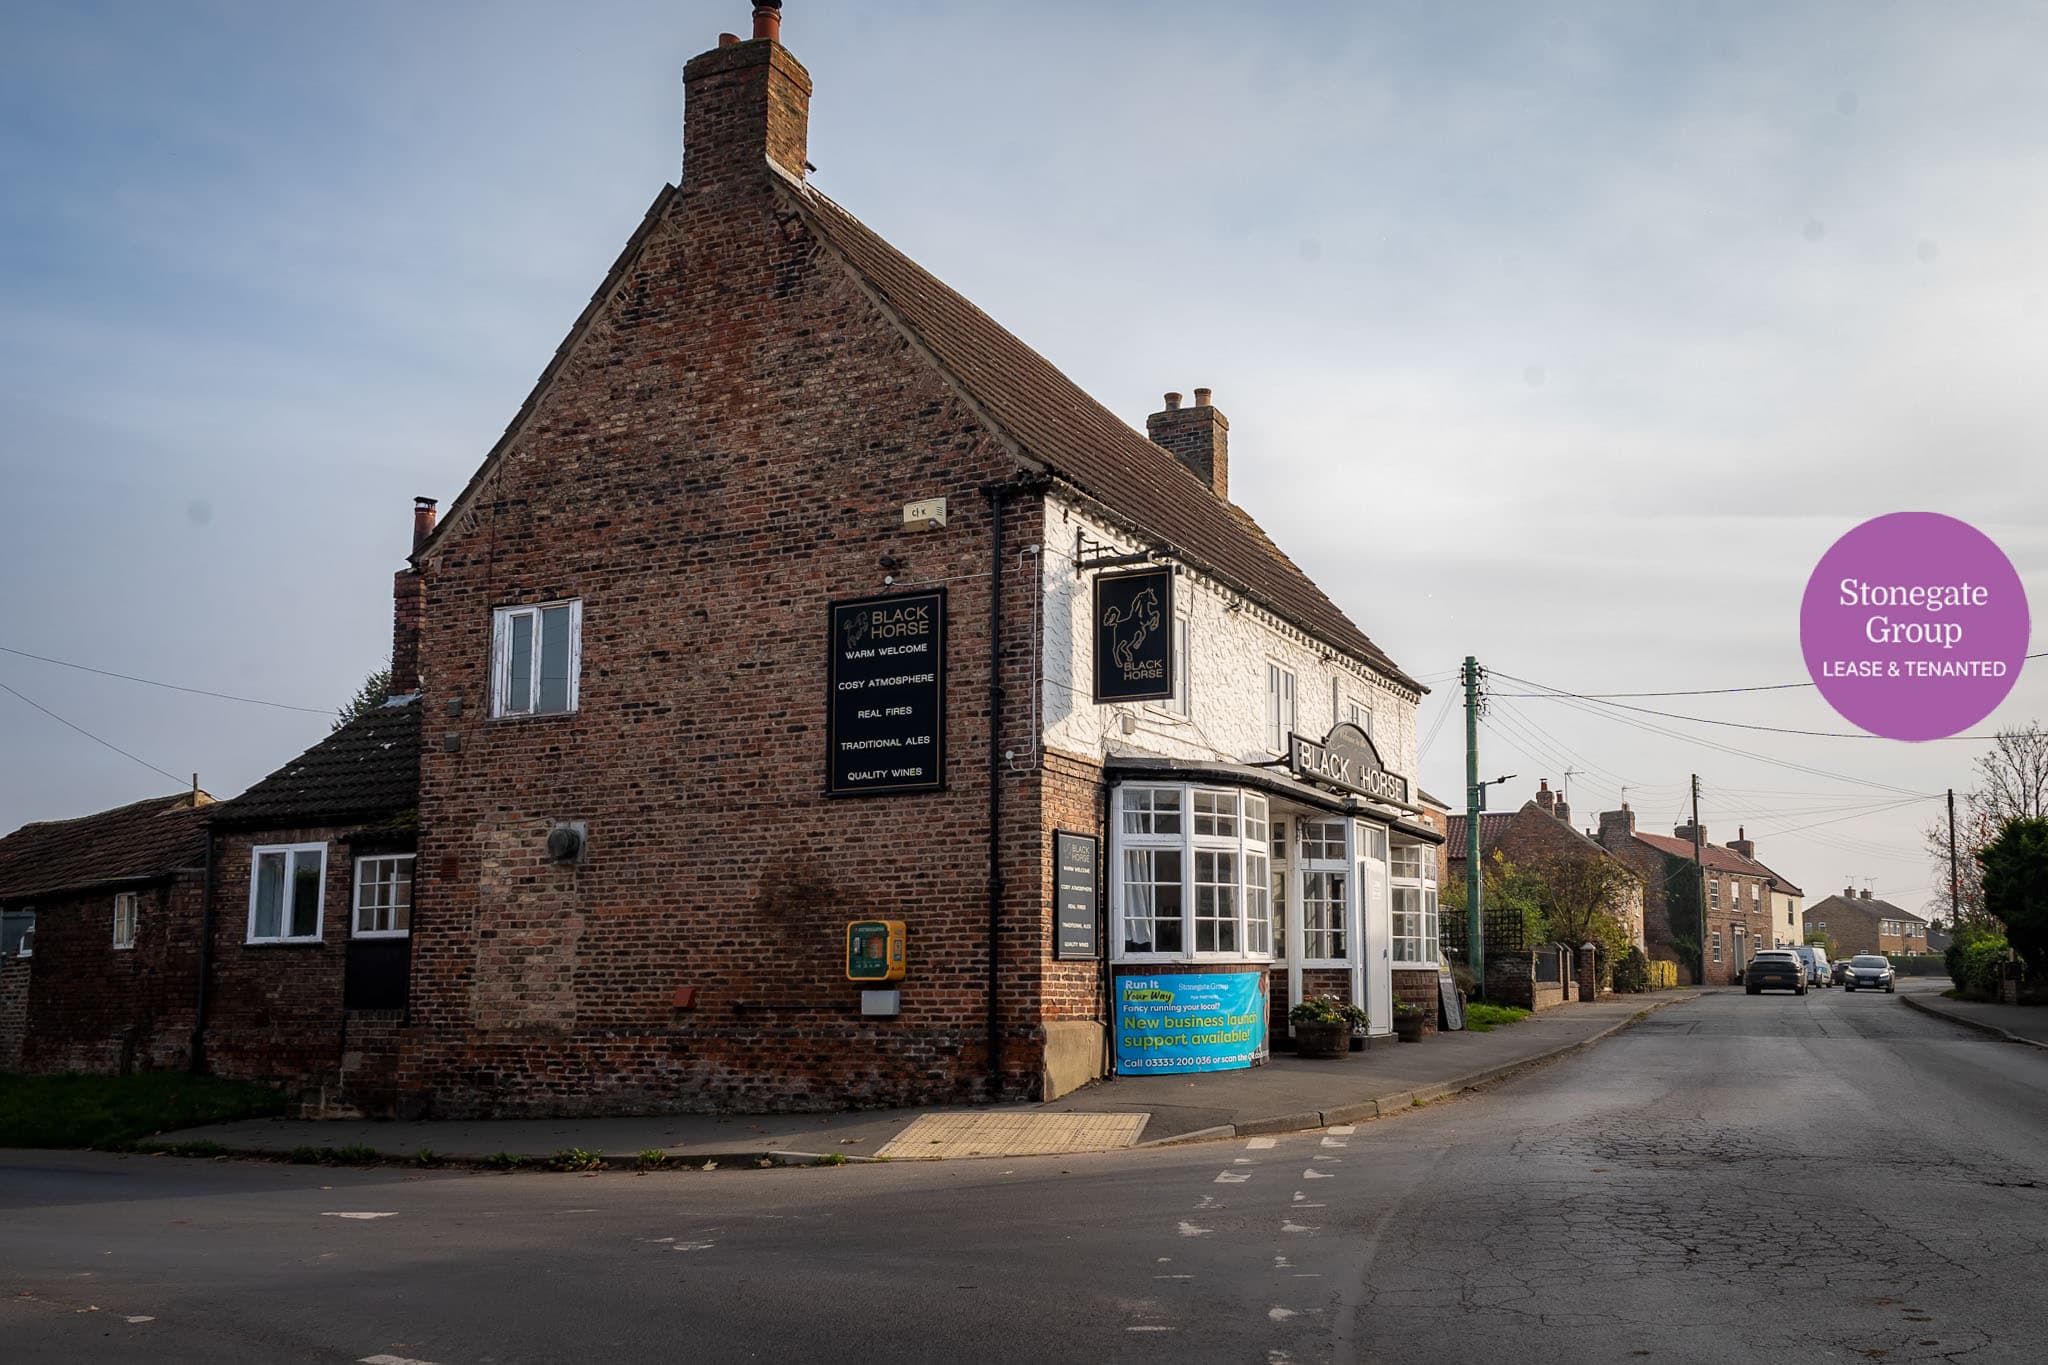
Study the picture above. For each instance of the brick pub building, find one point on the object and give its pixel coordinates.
(771, 456)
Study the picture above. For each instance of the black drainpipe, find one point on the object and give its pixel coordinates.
(198, 1058)
(996, 495)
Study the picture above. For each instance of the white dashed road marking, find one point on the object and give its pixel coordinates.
(1313, 1174)
(1279, 1314)
(1343, 1129)
(1188, 1229)
(1261, 1144)
(392, 1360)
(359, 1215)
(142, 1317)
(1289, 1225)
(1232, 1177)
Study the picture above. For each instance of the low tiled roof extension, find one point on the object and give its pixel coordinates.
(368, 769)
(1057, 424)
(1492, 825)
(139, 842)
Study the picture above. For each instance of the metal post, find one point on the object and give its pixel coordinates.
(1699, 877)
(1955, 887)
(1475, 878)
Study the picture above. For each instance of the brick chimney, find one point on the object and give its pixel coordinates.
(1561, 810)
(1199, 437)
(1684, 832)
(1864, 894)
(1742, 844)
(1546, 799)
(409, 608)
(1616, 826)
(744, 103)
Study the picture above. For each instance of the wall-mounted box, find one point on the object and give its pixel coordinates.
(874, 950)
(881, 1004)
(928, 515)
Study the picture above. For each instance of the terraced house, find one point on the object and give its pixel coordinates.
(826, 701)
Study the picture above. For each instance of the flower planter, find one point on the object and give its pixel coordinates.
(1322, 1040)
(1408, 1027)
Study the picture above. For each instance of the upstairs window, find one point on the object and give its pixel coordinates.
(384, 896)
(287, 892)
(536, 657)
(1280, 720)
(1714, 892)
(127, 908)
(1360, 715)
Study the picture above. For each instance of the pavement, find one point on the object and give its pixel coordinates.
(2026, 1024)
(1288, 1094)
(1735, 1179)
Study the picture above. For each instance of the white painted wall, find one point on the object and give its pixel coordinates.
(1228, 652)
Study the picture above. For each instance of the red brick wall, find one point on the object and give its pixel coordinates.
(95, 1008)
(274, 1010)
(1419, 989)
(727, 451)
(14, 987)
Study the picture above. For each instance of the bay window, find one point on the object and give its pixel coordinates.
(1413, 873)
(1193, 872)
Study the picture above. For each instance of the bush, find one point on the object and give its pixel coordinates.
(1974, 960)
(578, 1159)
(1327, 1009)
(1482, 1016)
(1632, 973)
(1922, 964)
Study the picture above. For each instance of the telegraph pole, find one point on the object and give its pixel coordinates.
(1475, 933)
(1955, 888)
(1699, 869)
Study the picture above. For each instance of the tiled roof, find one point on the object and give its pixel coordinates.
(1054, 422)
(1882, 909)
(1712, 856)
(131, 843)
(1492, 825)
(368, 768)
(1782, 884)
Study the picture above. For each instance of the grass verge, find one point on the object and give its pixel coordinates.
(115, 1111)
(1483, 1017)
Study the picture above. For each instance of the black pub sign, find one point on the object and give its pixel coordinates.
(1134, 636)
(1347, 760)
(885, 718)
(1076, 876)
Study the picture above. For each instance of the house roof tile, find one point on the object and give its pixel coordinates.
(1058, 425)
(368, 768)
(138, 842)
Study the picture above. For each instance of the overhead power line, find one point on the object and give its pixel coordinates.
(170, 687)
(87, 733)
(1687, 691)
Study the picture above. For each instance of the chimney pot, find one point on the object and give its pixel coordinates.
(768, 20)
(728, 39)
(1202, 398)
(1172, 401)
(423, 515)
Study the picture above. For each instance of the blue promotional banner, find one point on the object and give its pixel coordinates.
(1211, 1022)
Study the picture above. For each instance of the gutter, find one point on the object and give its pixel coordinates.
(197, 1059)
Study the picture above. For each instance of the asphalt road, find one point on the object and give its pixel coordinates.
(1827, 1178)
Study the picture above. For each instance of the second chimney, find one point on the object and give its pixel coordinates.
(409, 608)
(1743, 844)
(1199, 437)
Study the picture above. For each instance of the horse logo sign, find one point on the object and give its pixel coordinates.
(1134, 636)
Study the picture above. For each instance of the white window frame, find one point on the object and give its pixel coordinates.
(1717, 946)
(1323, 865)
(1428, 935)
(26, 947)
(501, 657)
(355, 907)
(127, 915)
(291, 852)
(1248, 846)
(1359, 714)
(1283, 696)
(1713, 893)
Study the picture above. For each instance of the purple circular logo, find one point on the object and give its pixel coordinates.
(1914, 625)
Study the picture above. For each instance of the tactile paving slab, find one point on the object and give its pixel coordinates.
(949, 1135)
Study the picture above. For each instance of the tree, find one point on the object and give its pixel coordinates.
(1583, 894)
(1514, 910)
(2012, 784)
(376, 689)
(2016, 888)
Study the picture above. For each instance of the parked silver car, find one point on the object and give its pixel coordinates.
(1871, 972)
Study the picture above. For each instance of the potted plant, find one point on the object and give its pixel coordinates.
(1322, 1027)
(1409, 1019)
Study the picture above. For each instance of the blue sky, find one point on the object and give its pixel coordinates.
(1566, 335)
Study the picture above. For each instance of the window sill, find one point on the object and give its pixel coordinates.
(381, 933)
(514, 717)
(284, 943)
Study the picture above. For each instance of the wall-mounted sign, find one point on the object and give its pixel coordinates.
(1345, 759)
(1212, 1022)
(1134, 636)
(1075, 864)
(885, 720)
